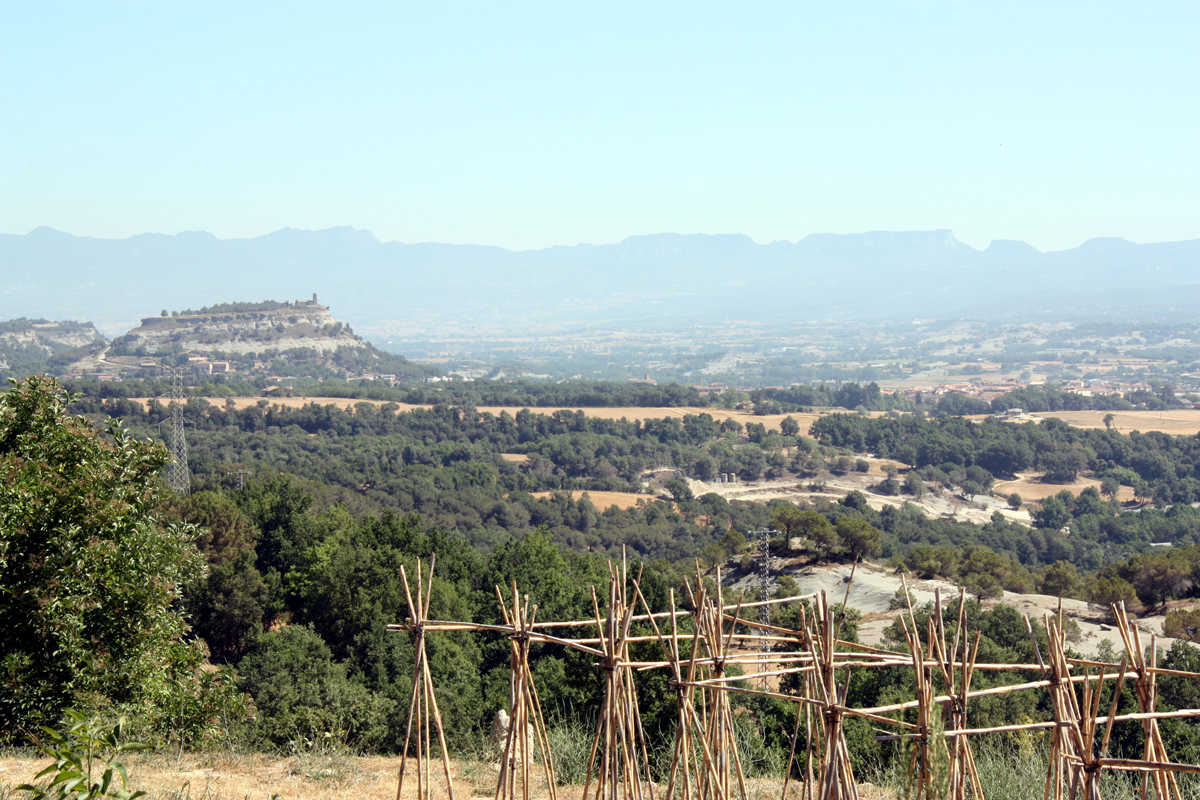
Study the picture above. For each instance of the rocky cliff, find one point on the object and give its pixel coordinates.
(240, 329)
(31, 345)
(300, 338)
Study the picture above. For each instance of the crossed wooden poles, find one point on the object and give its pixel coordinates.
(699, 647)
(422, 704)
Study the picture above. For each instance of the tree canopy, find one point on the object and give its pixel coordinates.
(89, 575)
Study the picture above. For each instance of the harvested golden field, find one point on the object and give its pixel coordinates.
(1177, 422)
(239, 403)
(1029, 485)
(603, 500)
(632, 413)
(1174, 422)
(638, 413)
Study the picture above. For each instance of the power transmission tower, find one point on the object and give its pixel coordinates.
(178, 476)
(764, 571)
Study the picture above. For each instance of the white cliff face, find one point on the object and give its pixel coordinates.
(25, 340)
(54, 336)
(300, 326)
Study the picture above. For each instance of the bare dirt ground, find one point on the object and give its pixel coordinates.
(227, 776)
(1029, 485)
(874, 587)
(934, 503)
(632, 413)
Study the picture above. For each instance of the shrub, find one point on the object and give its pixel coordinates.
(85, 766)
(90, 576)
(570, 745)
(303, 696)
(1183, 624)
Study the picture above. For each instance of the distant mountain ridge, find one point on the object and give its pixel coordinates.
(658, 279)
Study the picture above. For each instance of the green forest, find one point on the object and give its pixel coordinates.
(252, 611)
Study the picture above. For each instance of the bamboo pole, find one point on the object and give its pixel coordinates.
(525, 710)
(424, 716)
(620, 764)
(705, 762)
(1145, 690)
(1044, 726)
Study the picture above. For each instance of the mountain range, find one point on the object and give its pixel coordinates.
(393, 288)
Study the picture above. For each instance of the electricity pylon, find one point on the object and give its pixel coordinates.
(178, 476)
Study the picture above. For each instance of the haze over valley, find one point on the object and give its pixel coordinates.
(392, 289)
(695, 309)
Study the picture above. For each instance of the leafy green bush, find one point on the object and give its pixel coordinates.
(86, 764)
(90, 577)
(304, 698)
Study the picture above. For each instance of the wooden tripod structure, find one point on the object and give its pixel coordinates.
(525, 709)
(619, 765)
(963, 778)
(836, 776)
(423, 712)
(719, 738)
(956, 676)
(701, 645)
(1146, 691)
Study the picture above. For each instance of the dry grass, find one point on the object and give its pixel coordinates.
(227, 776)
(879, 466)
(258, 776)
(631, 413)
(1029, 485)
(1177, 422)
(603, 500)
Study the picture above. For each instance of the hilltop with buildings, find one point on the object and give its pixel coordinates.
(239, 330)
(301, 338)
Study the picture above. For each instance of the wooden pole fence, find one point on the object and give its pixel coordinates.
(809, 666)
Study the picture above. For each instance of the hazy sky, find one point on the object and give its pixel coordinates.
(524, 124)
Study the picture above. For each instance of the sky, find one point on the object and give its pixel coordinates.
(531, 124)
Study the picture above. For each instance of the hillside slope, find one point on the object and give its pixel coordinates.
(32, 345)
(239, 329)
(298, 339)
